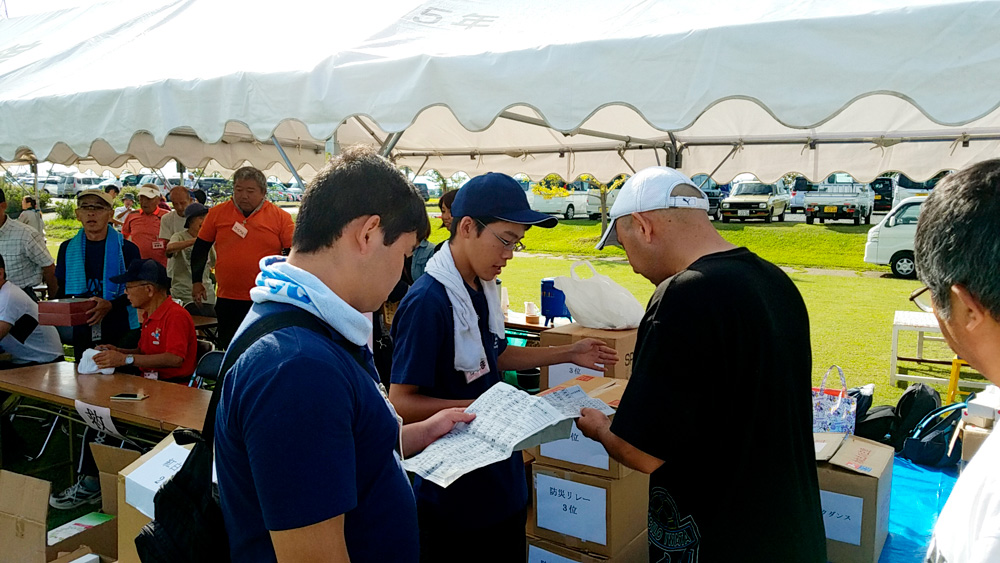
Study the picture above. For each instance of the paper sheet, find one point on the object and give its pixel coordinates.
(98, 418)
(507, 420)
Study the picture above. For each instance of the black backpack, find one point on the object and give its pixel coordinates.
(914, 405)
(188, 525)
(929, 444)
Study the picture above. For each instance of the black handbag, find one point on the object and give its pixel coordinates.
(188, 524)
(930, 443)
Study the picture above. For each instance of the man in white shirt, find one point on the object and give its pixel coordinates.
(28, 259)
(128, 206)
(957, 255)
(20, 334)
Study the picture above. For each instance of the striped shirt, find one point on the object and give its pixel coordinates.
(24, 253)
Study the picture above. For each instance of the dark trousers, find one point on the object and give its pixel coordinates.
(230, 313)
(448, 539)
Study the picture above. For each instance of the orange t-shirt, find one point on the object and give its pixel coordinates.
(268, 232)
(144, 231)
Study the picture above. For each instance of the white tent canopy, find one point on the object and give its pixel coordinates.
(567, 86)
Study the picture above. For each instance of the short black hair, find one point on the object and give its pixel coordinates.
(956, 241)
(30, 200)
(447, 199)
(356, 183)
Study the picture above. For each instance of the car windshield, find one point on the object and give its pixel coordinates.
(753, 188)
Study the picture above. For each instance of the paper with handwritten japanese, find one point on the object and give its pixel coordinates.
(507, 420)
(98, 418)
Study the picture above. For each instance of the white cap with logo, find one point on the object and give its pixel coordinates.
(651, 188)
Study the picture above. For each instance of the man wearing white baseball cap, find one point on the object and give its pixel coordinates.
(720, 314)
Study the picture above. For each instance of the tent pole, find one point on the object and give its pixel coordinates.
(390, 143)
(288, 162)
(587, 132)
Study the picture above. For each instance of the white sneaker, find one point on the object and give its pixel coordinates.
(76, 495)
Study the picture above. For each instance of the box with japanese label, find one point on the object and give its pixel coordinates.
(587, 513)
(579, 453)
(544, 551)
(621, 340)
(855, 477)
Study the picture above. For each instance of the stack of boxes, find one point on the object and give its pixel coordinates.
(978, 419)
(585, 506)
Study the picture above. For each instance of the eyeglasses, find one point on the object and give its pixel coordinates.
(516, 246)
(922, 299)
(133, 286)
(93, 208)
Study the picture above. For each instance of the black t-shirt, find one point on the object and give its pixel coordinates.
(720, 391)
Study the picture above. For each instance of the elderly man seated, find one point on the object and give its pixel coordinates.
(167, 346)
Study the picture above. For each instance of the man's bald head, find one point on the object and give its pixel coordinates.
(180, 197)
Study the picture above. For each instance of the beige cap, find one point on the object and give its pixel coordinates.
(106, 197)
(149, 190)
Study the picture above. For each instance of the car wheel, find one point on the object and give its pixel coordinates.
(570, 213)
(769, 216)
(822, 220)
(857, 220)
(903, 265)
(868, 218)
(725, 219)
(810, 219)
(781, 218)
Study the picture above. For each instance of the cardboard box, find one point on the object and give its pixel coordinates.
(588, 513)
(972, 439)
(84, 555)
(621, 340)
(24, 507)
(63, 319)
(135, 495)
(66, 306)
(542, 551)
(109, 462)
(855, 477)
(579, 453)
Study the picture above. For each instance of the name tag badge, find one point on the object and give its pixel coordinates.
(239, 229)
(471, 376)
(151, 374)
(158, 245)
(95, 332)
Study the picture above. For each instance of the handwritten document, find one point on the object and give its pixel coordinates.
(507, 420)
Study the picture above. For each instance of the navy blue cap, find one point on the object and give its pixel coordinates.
(144, 269)
(498, 195)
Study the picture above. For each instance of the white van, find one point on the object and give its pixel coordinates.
(594, 201)
(891, 241)
(568, 205)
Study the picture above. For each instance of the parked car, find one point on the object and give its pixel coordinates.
(891, 241)
(423, 190)
(594, 201)
(217, 189)
(905, 187)
(883, 189)
(129, 180)
(157, 181)
(800, 188)
(840, 197)
(755, 200)
(714, 193)
(568, 205)
(72, 185)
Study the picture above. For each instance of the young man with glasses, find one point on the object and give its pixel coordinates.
(450, 348)
(168, 345)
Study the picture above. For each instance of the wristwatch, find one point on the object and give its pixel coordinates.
(129, 359)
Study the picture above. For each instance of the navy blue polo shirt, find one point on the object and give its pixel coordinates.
(423, 334)
(303, 435)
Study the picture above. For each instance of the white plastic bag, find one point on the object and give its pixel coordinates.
(599, 302)
(87, 364)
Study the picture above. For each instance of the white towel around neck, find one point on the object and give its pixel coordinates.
(470, 357)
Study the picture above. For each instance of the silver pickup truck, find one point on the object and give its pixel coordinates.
(840, 200)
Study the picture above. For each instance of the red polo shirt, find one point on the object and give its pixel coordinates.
(144, 231)
(170, 330)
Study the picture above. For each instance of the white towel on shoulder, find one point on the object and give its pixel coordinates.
(470, 357)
